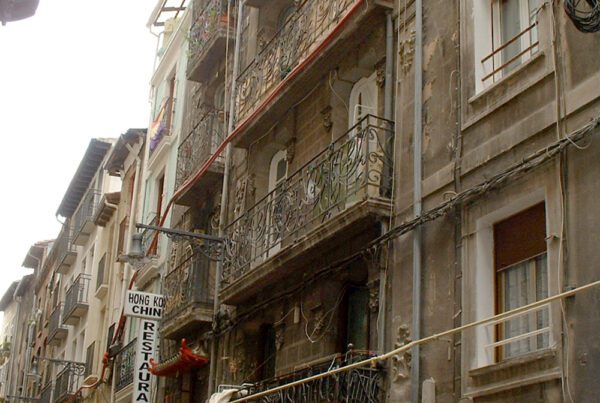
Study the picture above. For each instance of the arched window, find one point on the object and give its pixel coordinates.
(363, 99)
(277, 169)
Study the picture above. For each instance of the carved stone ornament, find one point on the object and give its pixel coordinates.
(290, 150)
(380, 70)
(241, 188)
(401, 362)
(319, 320)
(407, 51)
(374, 296)
(327, 119)
(215, 216)
(279, 336)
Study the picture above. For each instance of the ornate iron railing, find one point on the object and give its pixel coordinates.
(359, 385)
(124, 363)
(354, 168)
(199, 146)
(86, 210)
(46, 393)
(68, 381)
(55, 322)
(187, 285)
(310, 24)
(77, 294)
(207, 26)
(149, 241)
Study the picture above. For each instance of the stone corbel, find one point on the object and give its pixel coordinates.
(279, 336)
(374, 296)
(327, 118)
(401, 362)
(407, 51)
(380, 76)
(290, 150)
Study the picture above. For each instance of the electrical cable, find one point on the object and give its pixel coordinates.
(586, 18)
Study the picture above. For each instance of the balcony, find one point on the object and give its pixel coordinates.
(65, 252)
(313, 41)
(107, 205)
(102, 277)
(189, 296)
(363, 384)
(68, 381)
(197, 148)
(338, 196)
(76, 300)
(151, 248)
(124, 363)
(83, 219)
(56, 331)
(160, 130)
(46, 393)
(208, 35)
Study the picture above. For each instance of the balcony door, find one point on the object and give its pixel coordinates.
(275, 213)
(363, 102)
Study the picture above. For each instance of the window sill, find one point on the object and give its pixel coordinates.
(507, 88)
(536, 367)
(501, 82)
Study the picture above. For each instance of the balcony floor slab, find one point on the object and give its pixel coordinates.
(352, 222)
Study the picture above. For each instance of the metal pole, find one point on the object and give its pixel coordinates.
(417, 196)
(225, 194)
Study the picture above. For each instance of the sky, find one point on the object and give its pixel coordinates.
(76, 70)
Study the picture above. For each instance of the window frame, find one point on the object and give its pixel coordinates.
(488, 32)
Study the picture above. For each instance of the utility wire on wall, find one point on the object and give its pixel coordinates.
(585, 15)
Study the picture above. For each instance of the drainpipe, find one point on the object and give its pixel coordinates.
(417, 196)
(225, 196)
(388, 172)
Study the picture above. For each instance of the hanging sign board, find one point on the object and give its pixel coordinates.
(144, 305)
(146, 346)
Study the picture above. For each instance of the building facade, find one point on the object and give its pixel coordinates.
(340, 200)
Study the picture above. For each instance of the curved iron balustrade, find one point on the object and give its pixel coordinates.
(352, 169)
(309, 25)
(199, 146)
(362, 385)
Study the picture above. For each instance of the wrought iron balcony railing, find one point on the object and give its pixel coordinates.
(211, 23)
(354, 168)
(301, 35)
(56, 330)
(359, 385)
(187, 286)
(68, 381)
(124, 363)
(149, 241)
(83, 219)
(63, 251)
(199, 146)
(76, 298)
(46, 393)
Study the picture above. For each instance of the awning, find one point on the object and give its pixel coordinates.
(183, 361)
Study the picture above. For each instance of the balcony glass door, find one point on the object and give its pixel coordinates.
(363, 102)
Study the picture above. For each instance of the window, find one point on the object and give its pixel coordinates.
(506, 35)
(521, 277)
(267, 352)
(277, 175)
(355, 318)
(363, 99)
